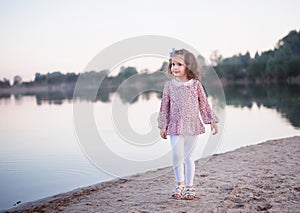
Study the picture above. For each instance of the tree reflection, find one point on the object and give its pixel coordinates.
(282, 97)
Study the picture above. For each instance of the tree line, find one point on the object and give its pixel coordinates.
(278, 65)
(90, 78)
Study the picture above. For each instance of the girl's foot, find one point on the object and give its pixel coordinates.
(177, 192)
(189, 193)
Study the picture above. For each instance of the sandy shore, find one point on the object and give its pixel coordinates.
(257, 178)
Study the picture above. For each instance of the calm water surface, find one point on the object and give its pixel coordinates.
(40, 154)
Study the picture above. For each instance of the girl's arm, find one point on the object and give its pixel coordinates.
(208, 116)
(163, 118)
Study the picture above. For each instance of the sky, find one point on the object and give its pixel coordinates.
(64, 35)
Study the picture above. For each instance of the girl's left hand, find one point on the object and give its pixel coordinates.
(163, 133)
(214, 128)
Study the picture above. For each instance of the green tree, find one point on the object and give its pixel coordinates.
(5, 83)
(126, 73)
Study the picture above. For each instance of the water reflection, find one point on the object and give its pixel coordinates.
(284, 98)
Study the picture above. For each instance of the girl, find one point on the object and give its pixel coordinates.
(183, 98)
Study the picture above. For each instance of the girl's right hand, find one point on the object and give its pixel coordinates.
(163, 133)
(214, 128)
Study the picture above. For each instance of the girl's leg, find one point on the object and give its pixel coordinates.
(189, 152)
(177, 152)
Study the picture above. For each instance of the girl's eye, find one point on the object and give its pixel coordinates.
(179, 64)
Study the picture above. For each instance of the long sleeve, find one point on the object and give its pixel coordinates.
(207, 115)
(164, 112)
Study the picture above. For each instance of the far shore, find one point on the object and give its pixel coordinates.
(257, 178)
(69, 87)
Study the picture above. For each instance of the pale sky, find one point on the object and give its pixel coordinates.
(64, 35)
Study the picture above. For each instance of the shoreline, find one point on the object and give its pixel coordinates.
(261, 177)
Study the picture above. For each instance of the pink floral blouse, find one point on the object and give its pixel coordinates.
(180, 107)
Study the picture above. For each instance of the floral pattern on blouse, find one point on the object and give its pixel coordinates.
(180, 107)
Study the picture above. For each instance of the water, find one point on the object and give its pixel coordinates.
(40, 154)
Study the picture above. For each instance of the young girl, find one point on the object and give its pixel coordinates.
(183, 98)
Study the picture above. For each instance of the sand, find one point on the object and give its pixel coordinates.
(257, 178)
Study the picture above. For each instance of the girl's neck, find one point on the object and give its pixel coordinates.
(182, 79)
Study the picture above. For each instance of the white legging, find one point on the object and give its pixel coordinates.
(183, 149)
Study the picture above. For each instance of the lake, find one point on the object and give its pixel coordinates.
(42, 154)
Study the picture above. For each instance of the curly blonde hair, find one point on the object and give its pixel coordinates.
(192, 67)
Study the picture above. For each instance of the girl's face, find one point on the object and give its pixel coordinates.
(178, 67)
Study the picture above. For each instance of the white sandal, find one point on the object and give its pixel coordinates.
(189, 194)
(177, 192)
